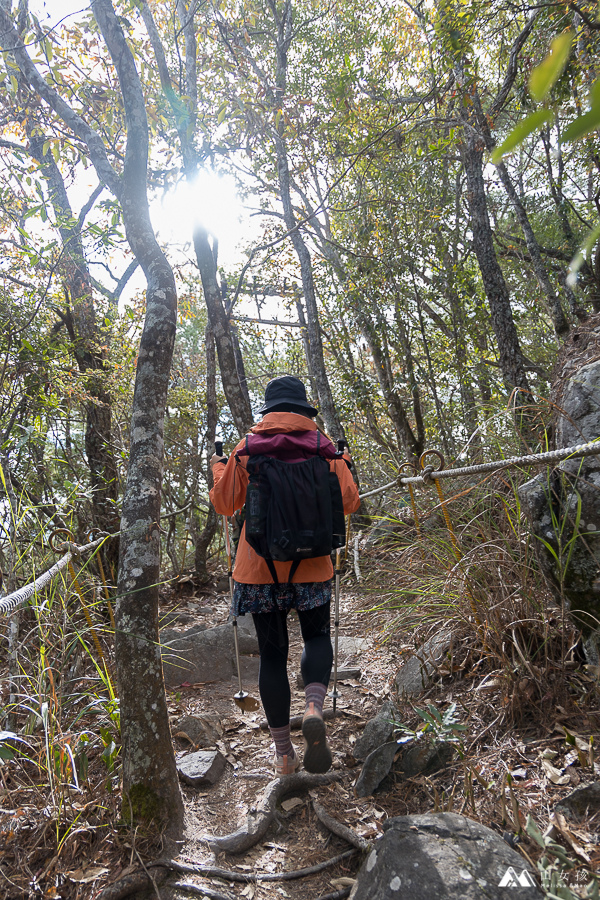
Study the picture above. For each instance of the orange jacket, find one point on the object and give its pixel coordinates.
(229, 494)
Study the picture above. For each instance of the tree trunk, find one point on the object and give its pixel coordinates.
(283, 38)
(202, 540)
(83, 330)
(561, 325)
(184, 111)
(511, 359)
(237, 399)
(328, 409)
(150, 781)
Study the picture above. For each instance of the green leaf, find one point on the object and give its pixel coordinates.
(582, 125)
(545, 76)
(579, 258)
(534, 832)
(522, 129)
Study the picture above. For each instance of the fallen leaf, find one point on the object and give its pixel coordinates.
(560, 822)
(548, 753)
(249, 891)
(288, 805)
(342, 882)
(86, 876)
(554, 774)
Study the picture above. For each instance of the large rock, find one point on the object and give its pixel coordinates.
(564, 506)
(201, 768)
(583, 802)
(418, 671)
(375, 768)
(204, 654)
(413, 759)
(443, 856)
(377, 731)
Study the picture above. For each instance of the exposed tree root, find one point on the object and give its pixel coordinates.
(141, 880)
(214, 895)
(130, 884)
(227, 875)
(343, 831)
(337, 895)
(259, 819)
(201, 890)
(296, 721)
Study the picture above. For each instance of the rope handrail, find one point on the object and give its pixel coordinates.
(591, 448)
(9, 604)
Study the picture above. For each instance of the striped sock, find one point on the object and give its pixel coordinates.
(283, 741)
(315, 693)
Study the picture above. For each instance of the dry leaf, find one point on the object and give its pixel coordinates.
(548, 753)
(490, 685)
(560, 822)
(288, 805)
(86, 876)
(342, 882)
(554, 774)
(519, 773)
(249, 891)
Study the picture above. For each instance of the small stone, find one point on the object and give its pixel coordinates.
(377, 731)
(204, 731)
(376, 766)
(424, 759)
(418, 671)
(201, 768)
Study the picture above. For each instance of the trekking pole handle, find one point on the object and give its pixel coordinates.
(219, 448)
(340, 445)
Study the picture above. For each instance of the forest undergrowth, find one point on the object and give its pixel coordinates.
(513, 694)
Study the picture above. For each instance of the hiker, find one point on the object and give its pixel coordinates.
(269, 589)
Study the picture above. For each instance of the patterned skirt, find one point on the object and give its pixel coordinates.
(260, 598)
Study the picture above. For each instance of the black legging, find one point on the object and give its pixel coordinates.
(273, 643)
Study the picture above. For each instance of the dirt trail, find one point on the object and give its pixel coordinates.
(297, 839)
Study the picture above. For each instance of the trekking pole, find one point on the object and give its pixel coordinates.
(242, 698)
(336, 622)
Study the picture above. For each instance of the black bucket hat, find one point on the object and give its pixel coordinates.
(286, 389)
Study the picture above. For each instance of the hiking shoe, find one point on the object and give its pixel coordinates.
(286, 765)
(317, 755)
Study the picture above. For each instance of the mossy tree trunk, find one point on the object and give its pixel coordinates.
(150, 784)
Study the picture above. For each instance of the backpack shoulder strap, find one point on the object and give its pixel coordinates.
(293, 569)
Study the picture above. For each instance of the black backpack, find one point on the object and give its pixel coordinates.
(294, 510)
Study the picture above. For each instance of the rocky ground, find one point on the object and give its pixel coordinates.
(522, 725)
(296, 839)
(500, 772)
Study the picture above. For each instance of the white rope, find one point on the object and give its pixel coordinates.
(379, 490)
(591, 448)
(356, 561)
(9, 604)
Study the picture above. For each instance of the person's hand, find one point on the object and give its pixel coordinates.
(215, 458)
